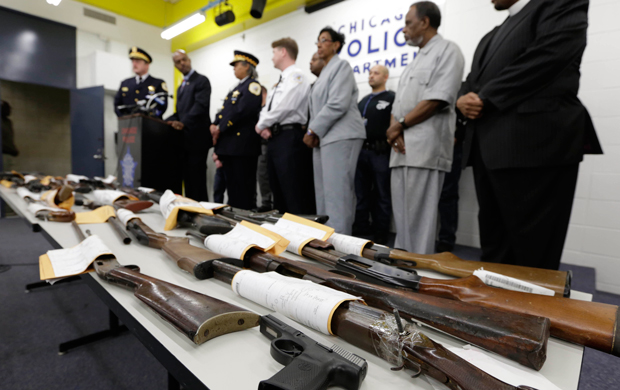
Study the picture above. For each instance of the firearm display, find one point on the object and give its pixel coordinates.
(522, 338)
(372, 330)
(590, 324)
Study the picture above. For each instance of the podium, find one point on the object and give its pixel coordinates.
(149, 153)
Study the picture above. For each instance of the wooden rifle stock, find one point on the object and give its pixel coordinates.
(449, 264)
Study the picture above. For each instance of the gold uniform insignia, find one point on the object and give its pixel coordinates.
(125, 89)
(164, 86)
(255, 88)
(151, 88)
(235, 94)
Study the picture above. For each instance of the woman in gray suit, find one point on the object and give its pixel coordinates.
(336, 132)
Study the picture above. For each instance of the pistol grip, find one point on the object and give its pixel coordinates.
(301, 373)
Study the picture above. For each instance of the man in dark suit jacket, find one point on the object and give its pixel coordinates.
(527, 130)
(192, 117)
(236, 143)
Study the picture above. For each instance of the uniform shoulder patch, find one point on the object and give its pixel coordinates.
(164, 86)
(255, 88)
(298, 78)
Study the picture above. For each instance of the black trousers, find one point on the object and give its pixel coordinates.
(219, 185)
(240, 173)
(449, 200)
(291, 177)
(194, 163)
(524, 212)
(372, 189)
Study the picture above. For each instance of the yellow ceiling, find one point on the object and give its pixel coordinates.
(162, 14)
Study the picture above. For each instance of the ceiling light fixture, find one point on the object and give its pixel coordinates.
(183, 25)
(54, 2)
(187, 23)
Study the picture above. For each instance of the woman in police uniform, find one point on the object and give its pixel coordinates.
(236, 143)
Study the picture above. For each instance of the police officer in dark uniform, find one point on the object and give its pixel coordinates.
(372, 178)
(236, 143)
(141, 88)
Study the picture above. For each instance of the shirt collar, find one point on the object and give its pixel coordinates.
(191, 72)
(143, 77)
(431, 43)
(517, 7)
(245, 78)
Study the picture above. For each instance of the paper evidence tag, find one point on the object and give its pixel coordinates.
(305, 227)
(108, 180)
(24, 192)
(348, 244)
(73, 261)
(306, 302)
(29, 178)
(99, 215)
(75, 178)
(170, 204)
(508, 283)
(146, 190)
(238, 241)
(110, 196)
(125, 216)
(297, 241)
(34, 208)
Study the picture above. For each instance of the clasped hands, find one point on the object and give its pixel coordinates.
(470, 105)
(311, 139)
(264, 133)
(396, 137)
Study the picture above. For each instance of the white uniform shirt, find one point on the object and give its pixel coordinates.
(290, 100)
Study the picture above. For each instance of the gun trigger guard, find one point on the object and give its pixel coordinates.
(399, 368)
(416, 365)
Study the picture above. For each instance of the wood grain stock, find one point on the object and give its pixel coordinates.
(197, 316)
(353, 323)
(591, 324)
(449, 264)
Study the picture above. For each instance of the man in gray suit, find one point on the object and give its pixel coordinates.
(422, 129)
(336, 132)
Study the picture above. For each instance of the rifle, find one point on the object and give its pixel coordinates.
(445, 263)
(60, 215)
(199, 317)
(590, 324)
(521, 338)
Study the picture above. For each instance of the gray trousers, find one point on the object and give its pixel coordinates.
(334, 182)
(415, 197)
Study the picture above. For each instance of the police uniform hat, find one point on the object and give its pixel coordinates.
(135, 53)
(243, 56)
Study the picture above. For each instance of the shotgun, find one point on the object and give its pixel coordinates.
(445, 263)
(521, 338)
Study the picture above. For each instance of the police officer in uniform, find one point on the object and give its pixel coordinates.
(372, 177)
(141, 87)
(236, 143)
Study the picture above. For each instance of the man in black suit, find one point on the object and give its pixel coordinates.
(236, 143)
(527, 130)
(192, 117)
(141, 87)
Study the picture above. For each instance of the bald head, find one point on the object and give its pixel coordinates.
(182, 62)
(316, 64)
(377, 77)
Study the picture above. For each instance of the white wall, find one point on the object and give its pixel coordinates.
(102, 50)
(594, 234)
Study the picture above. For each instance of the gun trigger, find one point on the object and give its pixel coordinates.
(416, 365)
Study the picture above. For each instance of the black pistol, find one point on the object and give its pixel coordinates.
(309, 365)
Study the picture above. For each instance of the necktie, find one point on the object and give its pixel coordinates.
(274, 93)
(497, 38)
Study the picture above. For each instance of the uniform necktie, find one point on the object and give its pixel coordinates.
(274, 93)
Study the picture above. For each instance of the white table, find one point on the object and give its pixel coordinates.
(240, 360)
